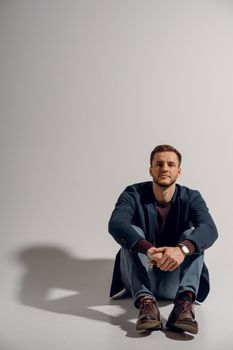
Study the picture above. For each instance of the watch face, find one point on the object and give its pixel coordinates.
(184, 249)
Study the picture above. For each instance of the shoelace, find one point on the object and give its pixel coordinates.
(147, 304)
(184, 306)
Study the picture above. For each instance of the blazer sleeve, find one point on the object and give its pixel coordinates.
(120, 225)
(205, 232)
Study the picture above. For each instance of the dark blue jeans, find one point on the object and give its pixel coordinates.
(140, 279)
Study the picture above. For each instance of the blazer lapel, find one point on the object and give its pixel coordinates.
(152, 220)
(151, 211)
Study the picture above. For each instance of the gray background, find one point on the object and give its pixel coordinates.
(87, 89)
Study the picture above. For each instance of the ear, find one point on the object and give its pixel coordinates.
(150, 171)
(179, 171)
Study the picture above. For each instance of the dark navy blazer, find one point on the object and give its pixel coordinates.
(136, 206)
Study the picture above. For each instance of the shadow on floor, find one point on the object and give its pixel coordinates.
(49, 267)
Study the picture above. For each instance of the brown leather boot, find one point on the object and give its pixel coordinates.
(149, 315)
(182, 317)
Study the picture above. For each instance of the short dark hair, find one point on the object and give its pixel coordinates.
(165, 148)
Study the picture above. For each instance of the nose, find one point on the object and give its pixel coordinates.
(165, 167)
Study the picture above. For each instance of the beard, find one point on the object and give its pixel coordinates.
(164, 185)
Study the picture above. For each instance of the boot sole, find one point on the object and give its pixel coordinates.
(189, 327)
(149, 325)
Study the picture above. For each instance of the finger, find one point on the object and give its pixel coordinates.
(152, 249)
(173, 267)
(161, 261)
(167, 261)
(167, 265)
(157, 256)
(164, 267)
(160, 249)
(177, 264)
(154, 257)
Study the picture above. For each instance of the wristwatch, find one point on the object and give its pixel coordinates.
(185, 250)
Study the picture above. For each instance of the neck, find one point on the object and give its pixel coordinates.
(163, 194)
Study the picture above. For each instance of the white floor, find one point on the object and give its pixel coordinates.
(51, 299)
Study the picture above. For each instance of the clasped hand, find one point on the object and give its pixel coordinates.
(166, 258)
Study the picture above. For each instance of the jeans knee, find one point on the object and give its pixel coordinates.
(139, 231)
(186, 234)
